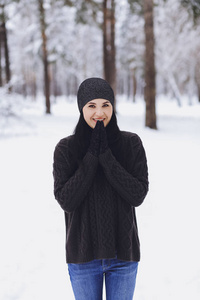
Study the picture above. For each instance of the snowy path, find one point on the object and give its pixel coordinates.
(32, 260)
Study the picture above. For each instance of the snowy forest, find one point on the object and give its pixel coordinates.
(149, 51)
(50, 46)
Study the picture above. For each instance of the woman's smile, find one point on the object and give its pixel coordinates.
(99, 119)
(97, 110)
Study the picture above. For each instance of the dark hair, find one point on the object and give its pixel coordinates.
(82, 135)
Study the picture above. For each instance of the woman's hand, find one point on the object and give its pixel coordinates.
(94, 147)
(103, 139)
(98, 143)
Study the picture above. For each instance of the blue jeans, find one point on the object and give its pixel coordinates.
(87, 279)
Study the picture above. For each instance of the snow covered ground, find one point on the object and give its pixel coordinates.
(32, 260)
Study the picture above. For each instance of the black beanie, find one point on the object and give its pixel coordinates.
(94, 88)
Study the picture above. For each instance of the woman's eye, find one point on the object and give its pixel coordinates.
(105, 105)
(91, 105)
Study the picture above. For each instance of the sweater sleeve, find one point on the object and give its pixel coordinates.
(71, 189)
(131, 185)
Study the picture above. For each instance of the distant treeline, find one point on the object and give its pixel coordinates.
(142, 47)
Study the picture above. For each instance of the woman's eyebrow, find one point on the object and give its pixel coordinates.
(95, 103)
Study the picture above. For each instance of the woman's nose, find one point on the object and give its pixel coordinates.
(99, 112)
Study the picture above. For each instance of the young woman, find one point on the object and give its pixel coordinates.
(100, 176)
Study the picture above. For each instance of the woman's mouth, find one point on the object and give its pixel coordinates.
(98, 120)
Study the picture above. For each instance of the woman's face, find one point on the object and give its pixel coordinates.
(97, 110)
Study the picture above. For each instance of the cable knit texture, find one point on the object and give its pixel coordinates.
(94, 88)
(99, 199)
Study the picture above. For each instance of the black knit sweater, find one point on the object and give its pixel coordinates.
(99, 197)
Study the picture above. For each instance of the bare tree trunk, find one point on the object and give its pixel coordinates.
(109, 42)
(174, 87)
(198, 87)
(1, 81)
(4, 46)
(33, 87)
(7, 60)
(197, 79)
(134, 84)
(54, 81)
(45, 56)
(150, 82)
